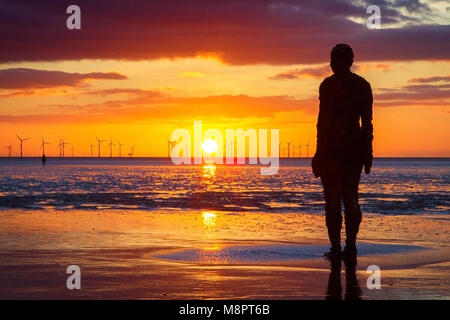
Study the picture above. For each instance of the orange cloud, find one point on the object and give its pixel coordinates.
(153, 106)
(429, 79)
(192, 74)
(370, 66)
(312, 72)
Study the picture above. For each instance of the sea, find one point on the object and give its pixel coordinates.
(396, 186)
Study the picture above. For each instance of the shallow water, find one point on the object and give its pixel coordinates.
(395, 186)
(270, 253)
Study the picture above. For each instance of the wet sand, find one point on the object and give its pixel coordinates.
(216, 255)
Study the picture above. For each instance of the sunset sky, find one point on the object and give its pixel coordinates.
(137, 70)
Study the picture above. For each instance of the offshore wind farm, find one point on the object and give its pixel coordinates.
(287, 149)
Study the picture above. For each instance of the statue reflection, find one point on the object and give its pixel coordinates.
(352, 288)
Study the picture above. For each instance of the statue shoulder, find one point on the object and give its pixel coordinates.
(360, 80)
(326, 83)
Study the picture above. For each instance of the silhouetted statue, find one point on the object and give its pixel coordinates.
(344, 146)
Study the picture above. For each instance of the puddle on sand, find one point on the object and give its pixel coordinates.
(274, 253)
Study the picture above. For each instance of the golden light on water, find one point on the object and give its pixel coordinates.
(209, 171)
(209, 219)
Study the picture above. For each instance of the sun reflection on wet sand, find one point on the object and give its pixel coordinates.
(209, 219)
(209, 229)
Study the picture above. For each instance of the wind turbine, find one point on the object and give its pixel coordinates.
(120, 148)
(9, 150)
(61, 145)
(307, 149)
(43, 143)
(21, 142)
(92, 146)
(130, 154)
(99, 144)
(111, 144)
(289, 148)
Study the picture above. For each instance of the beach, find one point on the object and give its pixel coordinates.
(144, 228)
(215, 255)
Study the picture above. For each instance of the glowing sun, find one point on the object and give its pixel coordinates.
(209, 146)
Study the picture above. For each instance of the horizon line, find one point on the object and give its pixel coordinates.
(165, 157)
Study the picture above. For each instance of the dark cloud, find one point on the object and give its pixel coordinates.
(415, 6)
(414, 94)
(22, 78)
(238, 31)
